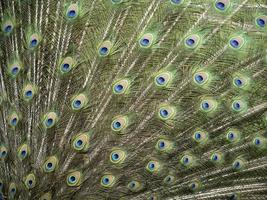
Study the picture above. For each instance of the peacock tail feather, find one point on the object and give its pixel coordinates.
(133, 99)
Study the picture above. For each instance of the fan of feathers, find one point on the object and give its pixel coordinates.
(133, 99)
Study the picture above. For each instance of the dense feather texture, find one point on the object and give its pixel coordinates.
(123, 99)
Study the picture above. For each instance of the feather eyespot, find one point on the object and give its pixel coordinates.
(222, 5)
(163, 79)
(236, 42)
(108, 180)
(3, 152)
(50, 119)
(67, 65)
(134, 186)
(117, 156)
(146, 40)
(233, 135)
(14, 69)
(13, 119)
(166, 112)
(200, 78)
(74, 179)
(241, 81)
(8, 27)
(261, 21)
(164, 145)
(34, 41)
(192, 41)
(50, 164)
(187, 160)
(79, 102)
(121, 86)
(23, 151)
(238, 82)
(30, 181)
(200, 136)
(153, 166)
(216, 157)
(194, 186)
(208, 105)
(238, 164)
(238, 105)
(72, 12)
(12, 189)
(28, 92)
(260, 142)
(81, 142)
(169, 179)
(105, 48)
(176, 2)
(119, 123)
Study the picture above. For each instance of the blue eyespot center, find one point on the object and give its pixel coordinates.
(198, 136)
(199, 78)
(257, 141)
(13, 190)
(79, 143)
(164, 113)
(132, 185)
(14, 121)
(151, 166)
(214, 157)
(186, 160)
(145, 42)
(115, 156)
(161, 144)
(30, 182)
(237, 164)
(237, 106)
(205, 105)
(77, 104)
(193, 185)
(105, 181)
(238, 82)
(15, 70)
(34, 42)
(119, 88)
(8, 28)
(261, 22)
(28, 93)
(72, 14)
(117, 125)
(231, 136)
(161, 80)
(176, 1)
(190, 42)
(3, 154)
(234, 43)
(72, 179)
(103, 50)
(49, 165)
(65, 67)
(49, 122)
(220, 5)
(23, 153)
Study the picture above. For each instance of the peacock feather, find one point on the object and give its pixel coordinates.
(133, 99)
